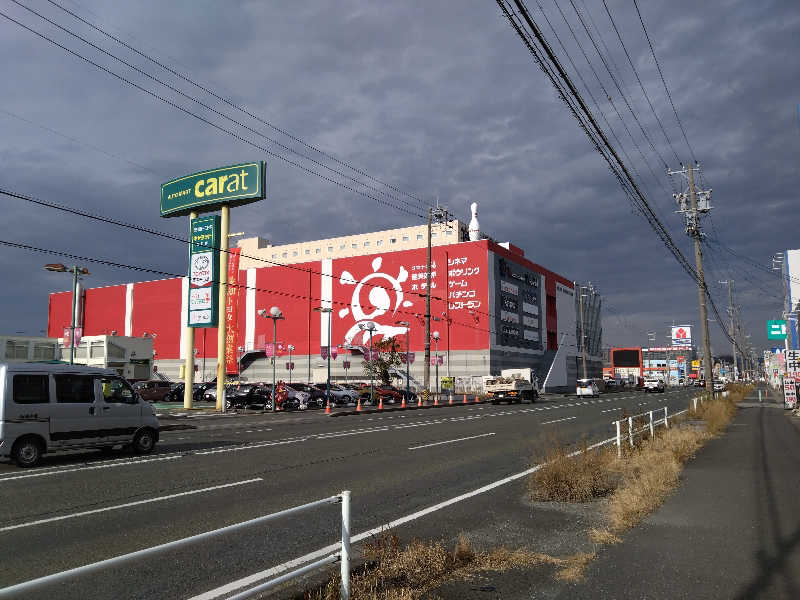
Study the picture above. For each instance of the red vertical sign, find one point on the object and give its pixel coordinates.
(232, 313)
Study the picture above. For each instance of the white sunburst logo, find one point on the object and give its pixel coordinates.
(379, 299)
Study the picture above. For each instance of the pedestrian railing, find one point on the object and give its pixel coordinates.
(638, 424)
(20, 590)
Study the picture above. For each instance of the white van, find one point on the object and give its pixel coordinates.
(587, 387)
(50, 407)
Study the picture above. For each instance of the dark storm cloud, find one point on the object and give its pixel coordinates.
(440, 102)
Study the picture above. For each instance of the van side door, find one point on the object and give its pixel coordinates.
(120, 411)
(74, 416)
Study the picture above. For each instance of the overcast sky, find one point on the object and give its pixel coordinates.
(439, 99)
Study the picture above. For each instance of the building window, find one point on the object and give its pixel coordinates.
(294, 252)
(274, 256)
(330, 248)
(379, 243)
(318, 251)
(44, 351)
(308, 251)
(392, 240)
(366, 243)
(405, 238)
(419, 236)
(285, 254)
(449, 232)
(433, 234)
(342, 246)
(354, 245)
(17, 350)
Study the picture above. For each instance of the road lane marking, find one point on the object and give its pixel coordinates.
(90, 467)
(558, 420)
(267, 573)
(129, 504)
(472, 437)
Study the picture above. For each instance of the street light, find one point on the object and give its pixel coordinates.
(407, 325)
(290, 348)
(59, 268)
(329, 310)
(275, 314)
(370, 326)
(436, 341)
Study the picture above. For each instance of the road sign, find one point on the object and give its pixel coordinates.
(776, 329)
(789, 393)
(792, 361)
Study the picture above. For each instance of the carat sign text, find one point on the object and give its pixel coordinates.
(208, 190)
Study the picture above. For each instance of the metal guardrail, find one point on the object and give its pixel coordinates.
(650, 425)
(343, 557)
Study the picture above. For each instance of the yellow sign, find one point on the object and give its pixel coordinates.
(695, 365)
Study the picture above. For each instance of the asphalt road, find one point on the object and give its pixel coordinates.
(79, 509)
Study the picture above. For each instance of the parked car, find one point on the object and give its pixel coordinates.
(52, 407)
(175, 393)
(700, 383)
(652, 384)
(153, 390)
(587, 387)
(340, 393)
(316, 398)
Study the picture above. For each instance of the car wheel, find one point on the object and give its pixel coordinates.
(27, 452)
(346, 400)
(144, 441)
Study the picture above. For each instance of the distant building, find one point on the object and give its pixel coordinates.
(16, 348)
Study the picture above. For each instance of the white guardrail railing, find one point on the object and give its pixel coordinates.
(650, 424)
(20, 590)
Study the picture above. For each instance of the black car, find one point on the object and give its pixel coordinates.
(175, 393)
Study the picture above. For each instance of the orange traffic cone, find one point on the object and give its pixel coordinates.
(328, 408)
(436, 400)
(403, 403)
(380, 403)
(465, 398)
(358, 406)
(451, 400)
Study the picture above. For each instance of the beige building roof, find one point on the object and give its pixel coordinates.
(258, 252)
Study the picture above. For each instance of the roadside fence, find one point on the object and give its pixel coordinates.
(343, 556)
(638, 424)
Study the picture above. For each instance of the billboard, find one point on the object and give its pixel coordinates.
(208, 190)
(776, 329)
(626, 358)
(682, 336)
(203, 282)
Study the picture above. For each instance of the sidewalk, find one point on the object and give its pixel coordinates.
(731, 530)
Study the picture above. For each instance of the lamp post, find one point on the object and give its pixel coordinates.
(290, 347)
(370, 326)
(407, 325)
(75, 270)
(328, 310)
(275, 314)
(436, 342)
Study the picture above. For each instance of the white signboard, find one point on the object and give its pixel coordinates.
(792, 362)
(200, 298)
(682, 335)
(789, 393)
(200, 269)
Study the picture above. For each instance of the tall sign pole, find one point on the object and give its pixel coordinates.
(203, 192)
(224, 229)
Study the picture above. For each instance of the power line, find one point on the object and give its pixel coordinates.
(230, 103)
(212, 124)
(664, 82)
(641, 85)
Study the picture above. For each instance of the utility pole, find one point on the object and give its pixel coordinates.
(733, 317)
(583, 334)
(688, 205)
(438, 214)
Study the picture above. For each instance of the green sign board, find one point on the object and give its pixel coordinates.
(776, 329)
(203, 302)
(208, 190)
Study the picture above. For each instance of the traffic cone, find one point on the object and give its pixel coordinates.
(380, 403)
(328, 408)
(436, 400)
(451, 400)
(403, 403)
(358, 406)
(465, 398)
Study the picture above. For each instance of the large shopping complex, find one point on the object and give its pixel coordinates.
(491, 307)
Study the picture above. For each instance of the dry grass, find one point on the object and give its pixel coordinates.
(603, 536)
(565, 478)
(410, 573)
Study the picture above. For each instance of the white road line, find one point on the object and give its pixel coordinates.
(90, 467)
(129, 504)
(472, 437)
(558, 420)
(611, 409)
(267, 573)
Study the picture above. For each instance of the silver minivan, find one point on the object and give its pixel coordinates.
(51, 407)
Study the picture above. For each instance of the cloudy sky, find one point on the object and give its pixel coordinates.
(439, 99)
